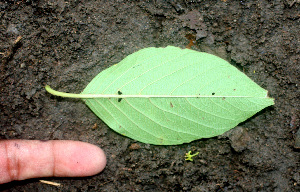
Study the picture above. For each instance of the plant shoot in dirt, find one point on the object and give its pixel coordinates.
(189, 157)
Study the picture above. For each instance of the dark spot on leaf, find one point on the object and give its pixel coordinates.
(161, 140)
(119, 93)
(234, 89)
(223, 98)
(213, 93)
(171, 104)
(135, 66)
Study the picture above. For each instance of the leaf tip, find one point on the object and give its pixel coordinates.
(268, 97)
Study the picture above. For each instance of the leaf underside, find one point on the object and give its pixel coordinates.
(227, 96)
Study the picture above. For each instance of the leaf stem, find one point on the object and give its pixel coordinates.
(63, 94)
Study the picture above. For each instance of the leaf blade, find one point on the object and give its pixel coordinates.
(220, 96)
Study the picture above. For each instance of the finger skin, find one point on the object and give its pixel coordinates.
(23, 159)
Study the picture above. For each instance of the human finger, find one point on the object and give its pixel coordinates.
(23, 159)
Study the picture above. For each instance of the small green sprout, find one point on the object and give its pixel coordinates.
(188, 156)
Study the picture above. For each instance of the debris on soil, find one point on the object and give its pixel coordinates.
(194, 20)
(7, 56)
(297, 140)
(239, 139)
(192, 40)
(134, 146)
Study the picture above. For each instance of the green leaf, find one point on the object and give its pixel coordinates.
(169, 96)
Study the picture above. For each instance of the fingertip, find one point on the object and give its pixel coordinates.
(23, 159)
(95, 159)
(78, 159)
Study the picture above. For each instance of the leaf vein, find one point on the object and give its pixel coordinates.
(154, 55)
(130, 119)
(183, 117)
(153, 120)
(208, 112)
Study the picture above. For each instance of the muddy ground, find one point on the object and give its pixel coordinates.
(66, 43)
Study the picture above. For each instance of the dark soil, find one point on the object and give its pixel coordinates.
(66, 43)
